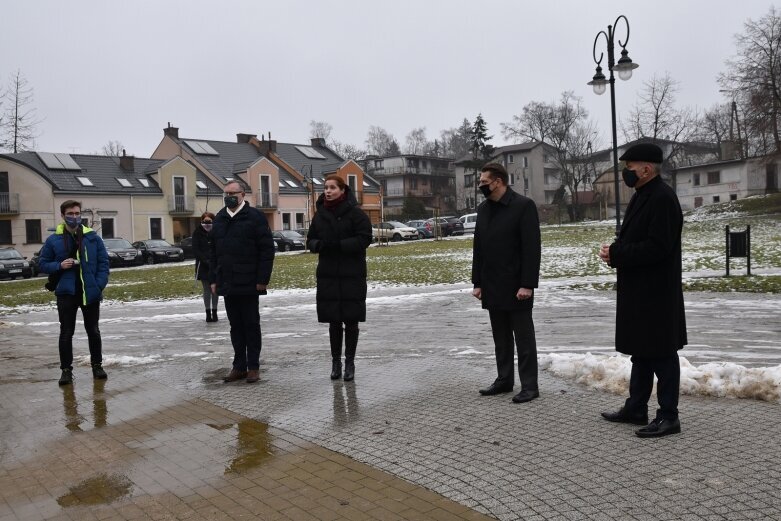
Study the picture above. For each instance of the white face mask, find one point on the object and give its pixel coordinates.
(206, 227)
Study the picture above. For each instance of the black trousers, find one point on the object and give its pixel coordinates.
(641, 383)
(244, 317)
(67, 308)
(519, 325)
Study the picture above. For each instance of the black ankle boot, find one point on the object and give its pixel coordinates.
(349, 370)
(214, 315)
(336, 369)
(209, 316)
(350, 346)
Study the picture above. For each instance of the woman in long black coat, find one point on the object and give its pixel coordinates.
(202, 251)
(340, 232)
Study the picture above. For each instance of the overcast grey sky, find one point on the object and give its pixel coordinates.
(110, 70)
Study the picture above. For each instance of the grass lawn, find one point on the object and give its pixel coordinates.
(569, 252)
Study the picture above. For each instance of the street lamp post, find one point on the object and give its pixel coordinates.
(624, 67)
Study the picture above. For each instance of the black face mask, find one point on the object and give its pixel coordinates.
(630, 177)
(485, 189)
(231, 201)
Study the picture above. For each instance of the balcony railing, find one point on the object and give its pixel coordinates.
(410, 170)
(9, 203)
(266, 200)
(181, 205)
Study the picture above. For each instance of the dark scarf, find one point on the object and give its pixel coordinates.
(331, 205)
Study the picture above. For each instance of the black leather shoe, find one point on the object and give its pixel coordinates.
(349, 370)
(659, 427)
(98, 373)
(495, 388)
(623, 416)
(526, 396)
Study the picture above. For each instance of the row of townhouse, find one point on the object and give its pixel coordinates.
(163, 197)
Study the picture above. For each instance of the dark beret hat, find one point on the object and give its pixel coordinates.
(643, 152)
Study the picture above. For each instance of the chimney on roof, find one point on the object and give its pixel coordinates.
(318, 142)
(171, 131)
(126, 162)
(245, 138)
(264, 147)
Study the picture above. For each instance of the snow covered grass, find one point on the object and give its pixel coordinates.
(611, 373)
(568, 252)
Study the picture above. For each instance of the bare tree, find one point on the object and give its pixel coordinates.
(534, 123)
(717, 126)
(113, 149)
(416, 142)
(320, 129)
(656, 116)
(456, 142)
(21, 120)
(754, 76)
(380, 142)
(347, 150)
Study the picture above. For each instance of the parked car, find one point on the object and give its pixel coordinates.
(158, 250)
(448, 226)
(469, 220)
(122, 253)
(35, 262)
(186, 245)
(393, 231)
(425, 230)
(288, 240)
(13, 265)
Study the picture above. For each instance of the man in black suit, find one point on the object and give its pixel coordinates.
(650, 319)
(505, 271)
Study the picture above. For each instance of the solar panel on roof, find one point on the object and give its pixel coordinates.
(50, 160)
(291, 183)
(201, 185)
(201, 147)
(310, 152)
(67, 162)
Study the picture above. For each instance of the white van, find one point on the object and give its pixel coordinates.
(469, 220)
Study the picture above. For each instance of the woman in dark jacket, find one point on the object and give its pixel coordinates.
(340, 232)
(202, 251)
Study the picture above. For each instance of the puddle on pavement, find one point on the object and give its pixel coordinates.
(253, 446)
(70, 405)
(100, 490)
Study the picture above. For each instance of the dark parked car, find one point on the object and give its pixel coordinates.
(448, 226)
(288, 240)
(122, 253)
(34, 260)
(158, 250)
(425, 230)
(186, 245)
(13, 265)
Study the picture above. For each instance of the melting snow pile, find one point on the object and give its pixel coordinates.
(725, 379)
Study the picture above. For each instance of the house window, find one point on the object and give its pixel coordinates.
(696, 179)
(285, 221)
(714, 177)
(378, 163)
(5, 232)
(299, 220)
(33, 230)
(413, 184)
(124, 182)
(545, 158)
(512, 179)
(144, 183)
(85, 181)
(716, 199)
(107, 227)
(352, 182)
(733, 197)
(469, 180)
(697, 202)
(525, 183)
(551, 179)
(510, 158)
(155, 228)
(525, 162)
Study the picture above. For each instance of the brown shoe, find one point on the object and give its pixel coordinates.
(253, 375)
(235, 375)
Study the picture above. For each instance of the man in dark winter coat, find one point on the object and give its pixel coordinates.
(242, 256)
(650, 320)
(75, 254)
(505, 271)
(340, 233)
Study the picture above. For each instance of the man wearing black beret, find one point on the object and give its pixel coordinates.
(650, 319)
